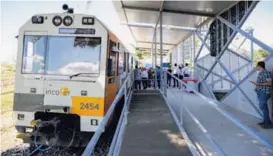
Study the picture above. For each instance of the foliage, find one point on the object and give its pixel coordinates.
(6, 102)
(259, 55)
(139, 54)
(7, 67)
(11, 68)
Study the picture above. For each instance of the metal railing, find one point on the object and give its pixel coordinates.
(126, 91)
(118, 136)
(214, 103)
(182, 85)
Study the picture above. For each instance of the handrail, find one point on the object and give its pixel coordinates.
(251, 132)
(122, 128)
(215, 104)
(92, 143)
(203, 129)
(182, 130)
(123, 117)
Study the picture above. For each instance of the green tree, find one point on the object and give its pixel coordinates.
(259, 55)
(11, 68)
(139, 54)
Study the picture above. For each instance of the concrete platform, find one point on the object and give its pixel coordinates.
(232, 139)
(251, 122)
(151, 129)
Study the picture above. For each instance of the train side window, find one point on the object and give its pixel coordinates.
(132, 63)
(111, 68)
(124, 62)
(127, 62)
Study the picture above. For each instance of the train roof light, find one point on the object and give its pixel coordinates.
(69, 10)
(88, 21)
(57, 20)
(37, 19)
(67, 20)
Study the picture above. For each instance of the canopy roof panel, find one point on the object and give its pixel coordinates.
(205, 7)
(142, 16)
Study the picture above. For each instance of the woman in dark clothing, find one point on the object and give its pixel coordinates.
(150, 77)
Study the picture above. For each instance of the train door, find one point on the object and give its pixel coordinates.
(111, 86)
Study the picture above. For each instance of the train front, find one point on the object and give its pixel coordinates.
(60, 78)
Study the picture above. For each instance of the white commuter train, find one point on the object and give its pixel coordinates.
(68, 72)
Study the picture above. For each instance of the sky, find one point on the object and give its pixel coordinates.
(15, 13)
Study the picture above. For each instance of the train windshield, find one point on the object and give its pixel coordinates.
(59, 55)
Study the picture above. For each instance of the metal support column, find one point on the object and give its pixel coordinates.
(193, 59)
(155, 47)
(231, 37)
(152, 54)
(183, 54)
(248, 36)
(161, 42)
(155, 56)
(252, 48)
(163, 75)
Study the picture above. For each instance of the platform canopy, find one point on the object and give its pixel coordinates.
(180, 18)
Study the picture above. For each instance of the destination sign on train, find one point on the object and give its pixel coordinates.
(76, 31)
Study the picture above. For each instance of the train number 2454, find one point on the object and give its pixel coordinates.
(89, 106)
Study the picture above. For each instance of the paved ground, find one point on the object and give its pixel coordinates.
(232, 139)
(151, 129)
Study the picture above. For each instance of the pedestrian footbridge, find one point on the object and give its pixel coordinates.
(173, 121)
(151, 129)
(219, 115)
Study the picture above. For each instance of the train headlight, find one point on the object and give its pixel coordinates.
(57, 20)
(68, 21)
(20, 116)
(37, 19)
(87, 20)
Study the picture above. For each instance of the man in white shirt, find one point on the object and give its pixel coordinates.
(175, 73)
(144, 76)
(186, 70)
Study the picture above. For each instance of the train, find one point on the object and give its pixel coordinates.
(69, 70)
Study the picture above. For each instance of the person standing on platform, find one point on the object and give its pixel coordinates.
(186, 70)
(137, 75)
(180, 74)
(271, 96)
(158, 74)
(263, 91)
(144, 76)
(169, 77)
(150, 77)
(175, 73)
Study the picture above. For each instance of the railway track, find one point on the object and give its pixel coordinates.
(101, 148)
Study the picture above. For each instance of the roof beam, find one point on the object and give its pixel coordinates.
(165, 27)
(142, 48)
(197, 13)
(171, 44)
(127, 20)
(194, 13)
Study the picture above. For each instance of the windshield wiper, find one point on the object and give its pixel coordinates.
(74, 75)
